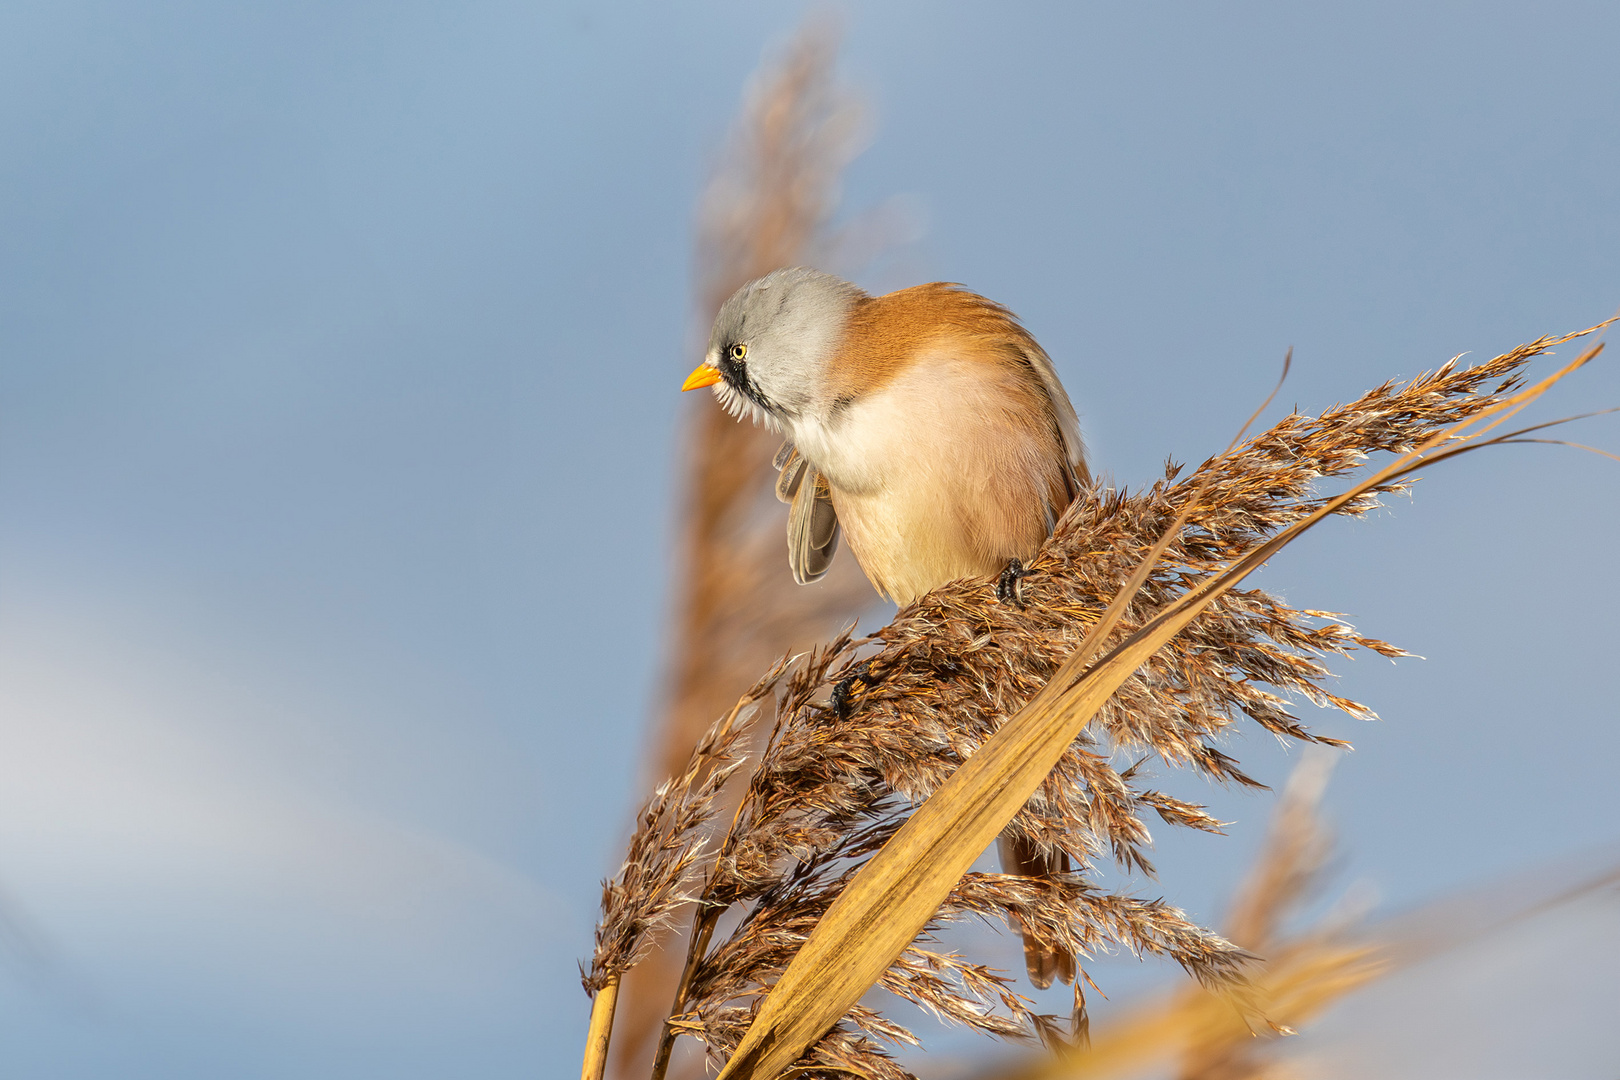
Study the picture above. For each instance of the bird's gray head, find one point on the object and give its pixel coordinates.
(773, 339)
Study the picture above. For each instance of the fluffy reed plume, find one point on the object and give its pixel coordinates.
(737, 609)
(661, 865)
(839, 778)
(661, 862)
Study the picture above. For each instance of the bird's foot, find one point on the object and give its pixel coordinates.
(1009, 586)
(845, 686)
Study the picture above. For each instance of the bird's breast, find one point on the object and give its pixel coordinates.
(947, 471)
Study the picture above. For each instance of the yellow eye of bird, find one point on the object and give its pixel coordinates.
(739, 351)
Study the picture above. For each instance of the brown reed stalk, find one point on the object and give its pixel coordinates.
(832, 788)
(737, 608)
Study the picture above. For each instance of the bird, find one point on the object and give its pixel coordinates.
(926, 426)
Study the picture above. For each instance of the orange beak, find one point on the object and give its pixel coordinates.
(703, 376)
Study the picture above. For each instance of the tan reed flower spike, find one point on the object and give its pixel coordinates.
(859, 825)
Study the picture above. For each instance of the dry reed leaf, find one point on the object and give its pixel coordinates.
(895, 894)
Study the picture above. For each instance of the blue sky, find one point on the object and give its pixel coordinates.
(338, 355)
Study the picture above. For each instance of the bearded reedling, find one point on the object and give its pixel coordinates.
(927, 426)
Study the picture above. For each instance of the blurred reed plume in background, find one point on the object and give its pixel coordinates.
(736, 608)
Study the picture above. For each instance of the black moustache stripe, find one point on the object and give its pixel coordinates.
(735, 372)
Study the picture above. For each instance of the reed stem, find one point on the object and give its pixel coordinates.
(696, 946)
(601, 1031)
